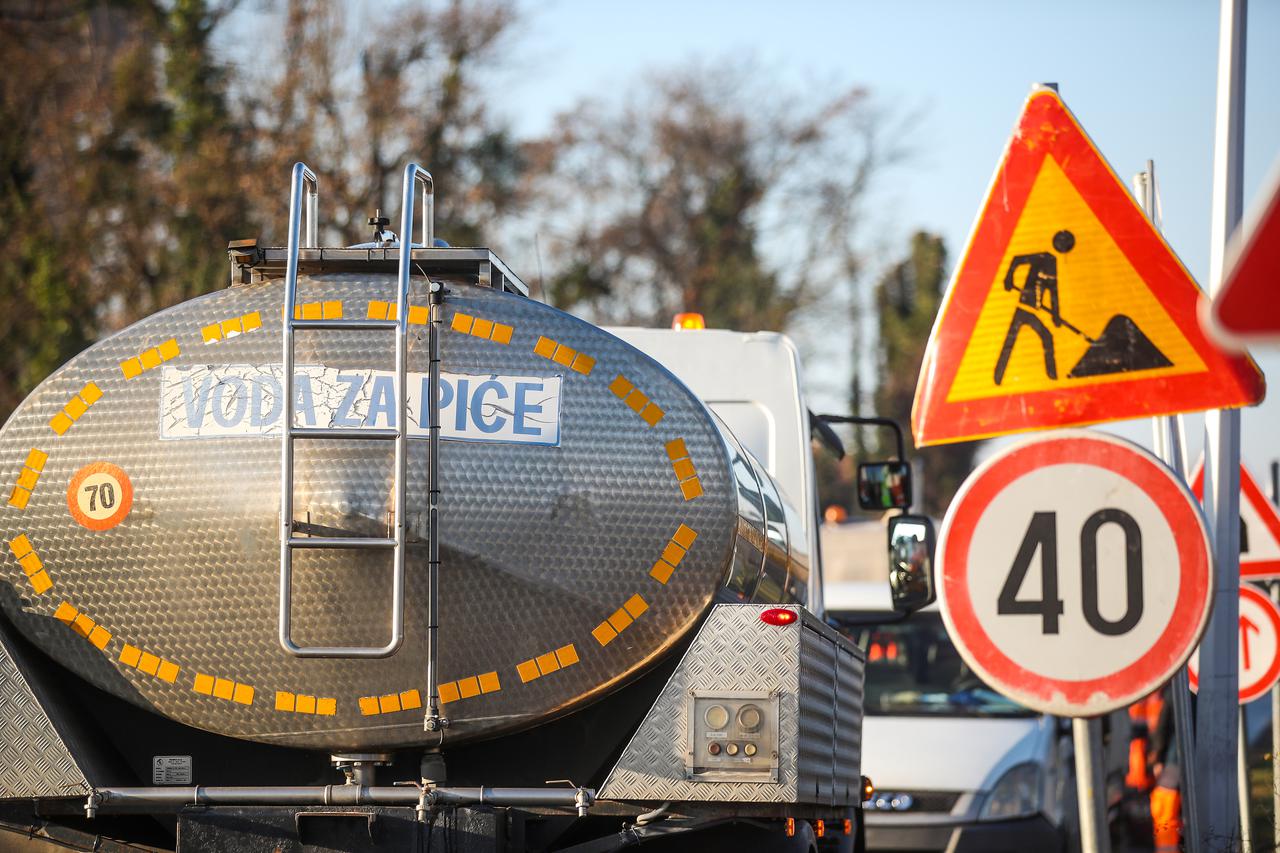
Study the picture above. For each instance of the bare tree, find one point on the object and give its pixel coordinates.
(360, 97)
(712, 188)
(132, 152)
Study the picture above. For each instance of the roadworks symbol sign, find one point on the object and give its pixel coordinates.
(1259, 526)
(1068, 308)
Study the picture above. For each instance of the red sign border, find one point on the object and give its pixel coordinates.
(1046, 125)
(1225, 317)
(1170, 650)
(1250, 491)
(1272, 674)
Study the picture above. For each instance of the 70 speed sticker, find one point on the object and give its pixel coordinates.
(100, 496)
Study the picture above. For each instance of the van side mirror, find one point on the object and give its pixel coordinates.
(911, 546)
(884, 485)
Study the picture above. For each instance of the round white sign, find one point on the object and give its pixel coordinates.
(1074, 573)
(1259, 646)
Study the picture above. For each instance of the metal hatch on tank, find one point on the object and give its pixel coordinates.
(588, 513)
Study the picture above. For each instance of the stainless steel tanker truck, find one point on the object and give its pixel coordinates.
(371, 551)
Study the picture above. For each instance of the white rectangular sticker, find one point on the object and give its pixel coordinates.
(221, 400)
(171, 770)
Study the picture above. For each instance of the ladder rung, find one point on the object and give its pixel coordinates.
(344, 432)
(354, 542)
(344, 324)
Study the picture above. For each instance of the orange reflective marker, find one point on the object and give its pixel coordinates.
(1067, 308)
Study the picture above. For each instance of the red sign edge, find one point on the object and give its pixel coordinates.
(1252, 492)
(1265, 208)
(1272, 675)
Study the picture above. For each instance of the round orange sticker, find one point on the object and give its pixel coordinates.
(100, 496)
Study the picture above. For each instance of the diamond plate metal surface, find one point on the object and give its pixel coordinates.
(735, 651)
(816, 748)
(34, 762)
(850, 671)
(540, 545)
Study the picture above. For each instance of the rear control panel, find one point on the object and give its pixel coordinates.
(733, 737)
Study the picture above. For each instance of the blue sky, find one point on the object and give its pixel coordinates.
(1140, 76)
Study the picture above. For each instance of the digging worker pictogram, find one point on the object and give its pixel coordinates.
(1121, 348)
(1039, 292)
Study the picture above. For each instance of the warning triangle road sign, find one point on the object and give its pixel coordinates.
(1259, 526)
(1067, 308)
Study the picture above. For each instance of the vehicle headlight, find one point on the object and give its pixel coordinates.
(1016, 794)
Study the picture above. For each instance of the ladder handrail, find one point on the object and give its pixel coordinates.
(302, 178)
(428, 205)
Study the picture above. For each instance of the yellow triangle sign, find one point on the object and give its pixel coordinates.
(1067, 308)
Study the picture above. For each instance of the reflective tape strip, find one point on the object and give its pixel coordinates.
(681, 541)
(480, 327)
(684, 537)
(27, 478)
(82, 625)
(620, 619)
(301, 703)
(465, 688)
(604, 633)
(682, 465)
(228, 328)
(75, 408)
(223, 688)
(527, 670)
(390, 703)
(565, 356)
(32, 565)
(154, 357)
(144, 661)
(567, 655)
(419, 315)
(636, 400)
(545, 664)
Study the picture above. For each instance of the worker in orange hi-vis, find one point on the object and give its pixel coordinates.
(1166, 796)
(1144, 716)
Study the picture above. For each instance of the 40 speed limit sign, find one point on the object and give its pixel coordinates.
(1075, 573)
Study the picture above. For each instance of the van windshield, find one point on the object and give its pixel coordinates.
(914, 670)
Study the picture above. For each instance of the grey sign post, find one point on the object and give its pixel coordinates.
(1217, 710)
(1169, 443)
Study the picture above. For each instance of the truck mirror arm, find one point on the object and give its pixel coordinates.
(819, 427)
(888, 423)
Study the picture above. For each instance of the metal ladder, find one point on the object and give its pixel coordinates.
(304, 180)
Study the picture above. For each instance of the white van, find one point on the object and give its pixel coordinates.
(956, 766)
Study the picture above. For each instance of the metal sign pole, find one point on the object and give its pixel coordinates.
(1091, 785)
(1275, 691)
(1169, 443)
(1242, 776)
(1218, 707)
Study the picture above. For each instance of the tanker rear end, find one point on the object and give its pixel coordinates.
(371, 515)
